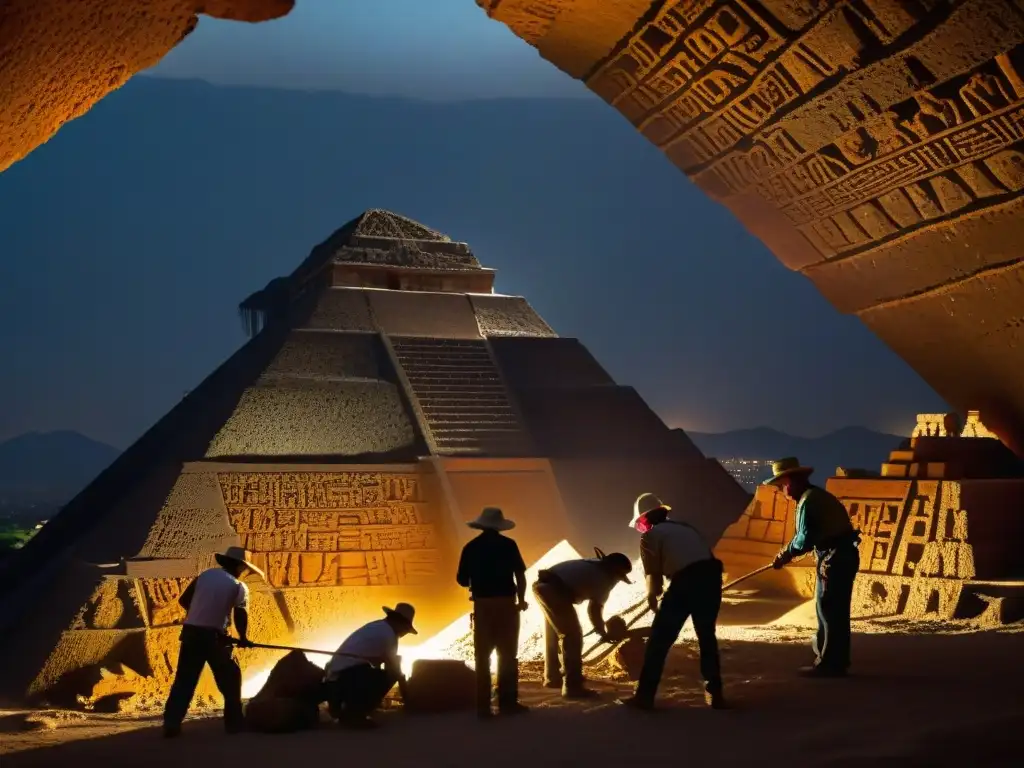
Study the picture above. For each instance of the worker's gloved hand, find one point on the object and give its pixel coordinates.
(782, 560)
(243, 642)
(652, 603)
(523, 605)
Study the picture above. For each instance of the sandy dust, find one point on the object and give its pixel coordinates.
(923, 694)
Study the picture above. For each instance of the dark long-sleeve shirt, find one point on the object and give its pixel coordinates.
(821, 521)
(492, 566)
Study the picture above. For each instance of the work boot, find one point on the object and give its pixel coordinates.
(632, 702)
(556, 684)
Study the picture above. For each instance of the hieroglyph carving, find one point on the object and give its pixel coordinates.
(160, 598)
(717, 84)
(334, 529)
(925, 535)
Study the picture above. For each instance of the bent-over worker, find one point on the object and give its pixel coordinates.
(492, 568)
(211, 601)
(558, 590)
(822, 524)
(366, 666)
(677, 550)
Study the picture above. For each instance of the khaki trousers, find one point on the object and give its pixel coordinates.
(496, 628)
(563, 637)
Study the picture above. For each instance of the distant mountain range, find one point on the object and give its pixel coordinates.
(850, 447)
(47, 469)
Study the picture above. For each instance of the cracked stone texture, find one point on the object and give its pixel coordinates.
(293, 418)
(874, 147)
(508, 316)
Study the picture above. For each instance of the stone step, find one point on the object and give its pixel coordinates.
(440, 387)
(468, 370)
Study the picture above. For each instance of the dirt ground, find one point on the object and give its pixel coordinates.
(921, 695)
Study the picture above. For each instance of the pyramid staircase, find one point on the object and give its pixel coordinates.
(460, 395)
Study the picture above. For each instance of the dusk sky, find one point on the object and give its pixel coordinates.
(129, 238)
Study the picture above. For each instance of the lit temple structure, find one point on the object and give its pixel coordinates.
(941, 527)
(387, 394)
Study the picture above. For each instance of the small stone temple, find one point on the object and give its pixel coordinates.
(386, 395)
(941, 527)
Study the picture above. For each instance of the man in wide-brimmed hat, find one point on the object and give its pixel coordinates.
(366, 666)
(677, 550)
(211, 601)
(822, 524)
(558, 590)
(492, 568)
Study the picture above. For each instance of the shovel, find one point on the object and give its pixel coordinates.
(303, 650)
(611, 646)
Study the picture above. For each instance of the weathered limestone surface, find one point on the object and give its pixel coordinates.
(876, 146)
(58, 58)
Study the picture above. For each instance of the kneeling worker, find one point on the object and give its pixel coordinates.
(211, 601)
(677, 550)
(558, 590)
(366, 666)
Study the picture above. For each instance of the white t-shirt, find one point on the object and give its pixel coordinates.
(374, 643)
(217, 593)
(669, 547)
(586, 579)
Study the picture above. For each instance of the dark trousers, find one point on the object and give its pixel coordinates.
(357, 691)
(563, 637)
(694, 592)
(837, 570)
(496, 628)
(199, 647)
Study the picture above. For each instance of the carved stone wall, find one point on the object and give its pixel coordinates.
(335, 529)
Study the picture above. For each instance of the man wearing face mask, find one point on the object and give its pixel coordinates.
(677, 550)
(822, 524)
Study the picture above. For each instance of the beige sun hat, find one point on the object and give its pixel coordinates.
(646, 502)
(236, 555)
(492, 519)
(404, 612)
(786, 467)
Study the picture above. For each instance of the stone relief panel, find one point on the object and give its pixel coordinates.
(335, 529)
(852, 118)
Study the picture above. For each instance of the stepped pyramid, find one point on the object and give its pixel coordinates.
(385, 396)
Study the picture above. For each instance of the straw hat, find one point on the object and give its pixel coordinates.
(786, 467)
(404, 612)
(646, 502)
(238, 555)
(492, 519)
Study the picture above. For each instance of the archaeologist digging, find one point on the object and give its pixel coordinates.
(367, 666)
(492, 568)
(211, 601)
(558, 590)
(677, 550)
(822, 524)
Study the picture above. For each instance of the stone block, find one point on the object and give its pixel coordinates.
(894, 470)
(508, 316)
